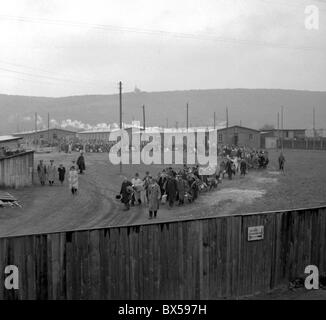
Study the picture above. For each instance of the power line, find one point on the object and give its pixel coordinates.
(59, 77)
(37, 75)
(293, 5)
(187, 116)
(144, 118)
(120, 112)
(25, 67)
(208, 36)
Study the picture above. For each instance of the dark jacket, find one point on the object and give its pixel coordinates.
(62, 172)
(81, 162)
(171, 188)
(126, 191)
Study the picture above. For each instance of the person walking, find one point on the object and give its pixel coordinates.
(194, 189)
(62, 173)
(228, 168)
(41, 172)
(126, 193)
(154, 196)
(138, 186)
(81, 163)
(243, 167)
(281, 161)
(51, 172)
(162, 181)
(171, 190)
(181, 187)
(146, 181)
(73, 180)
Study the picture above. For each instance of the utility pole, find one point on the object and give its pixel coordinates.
(48, 127)
(35, 122)
(187, 116)
(144, 119)
(227, 117)
(278, 130)
(120, 112)
(314, 126)
(282, 124)
(18, 122)
(120, 103)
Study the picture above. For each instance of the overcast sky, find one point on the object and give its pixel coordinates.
(72, 47)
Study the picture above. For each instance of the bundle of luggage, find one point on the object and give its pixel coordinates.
(7, 200)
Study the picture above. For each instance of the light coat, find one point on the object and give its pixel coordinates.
(51, 171)
(154, 196)
(73, 179)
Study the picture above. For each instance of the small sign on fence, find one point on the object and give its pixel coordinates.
(255, 233)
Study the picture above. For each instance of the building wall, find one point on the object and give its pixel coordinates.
(320, 133)
(100, 136)
(246, 137)
(270, 143)
(43, 137)
(300, 134)
(91, 136)
(17, 171)
(12, 145)
(287, 134)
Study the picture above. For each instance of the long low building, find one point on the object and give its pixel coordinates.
(167, 133)
(52, 136)
(285, 133)
(234, 135)
(239, 136)
(9, 142)
(270, 139)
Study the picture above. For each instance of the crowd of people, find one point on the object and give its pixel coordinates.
(179, 186)
(171, 186)
(49, 173)
(91, 146)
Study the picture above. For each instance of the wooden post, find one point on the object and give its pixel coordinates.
(120, 111)
(187, 116)
(278, 130)
(282, 123)
(144, 119)
(48, 127)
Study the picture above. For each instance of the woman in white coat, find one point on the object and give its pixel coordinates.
(73, 180)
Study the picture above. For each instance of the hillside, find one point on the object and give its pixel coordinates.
(254, 107)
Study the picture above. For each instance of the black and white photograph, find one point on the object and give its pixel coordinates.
(159, 150)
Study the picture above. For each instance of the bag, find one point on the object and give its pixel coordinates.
(164, 197)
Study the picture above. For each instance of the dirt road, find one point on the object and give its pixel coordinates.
(51, 209)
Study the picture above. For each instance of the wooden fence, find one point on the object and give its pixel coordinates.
(17, 170)
(196, 259)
